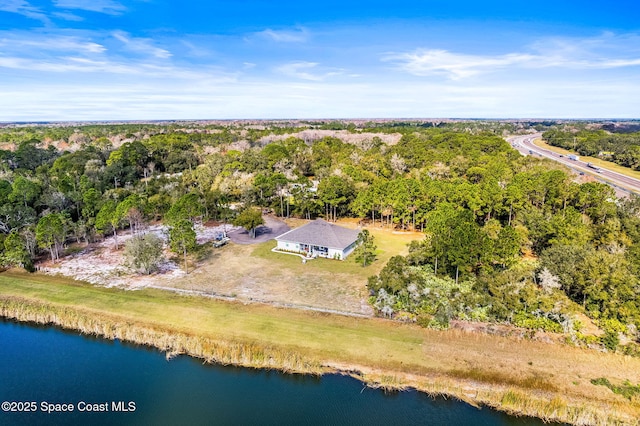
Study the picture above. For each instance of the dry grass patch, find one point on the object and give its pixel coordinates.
(485, 375)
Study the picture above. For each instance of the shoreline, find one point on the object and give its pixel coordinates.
(502, 393)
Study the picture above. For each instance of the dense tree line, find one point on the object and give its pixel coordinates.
(623, 149)
(507, 238)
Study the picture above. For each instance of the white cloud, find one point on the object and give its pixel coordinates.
(81, 65)
(54, 55)
(23, 8)
(607, 43)
(605, 52)
(285, 36)
(30, 44)
(103, 75)
(453, 65)
(68, 16)
(141, 45)
(196, 51)
(109, 7)
(303, 70)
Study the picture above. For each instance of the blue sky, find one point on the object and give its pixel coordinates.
(160, 59)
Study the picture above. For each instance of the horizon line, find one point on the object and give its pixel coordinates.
(327, 119)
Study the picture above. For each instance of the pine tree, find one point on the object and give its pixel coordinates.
(366, 250)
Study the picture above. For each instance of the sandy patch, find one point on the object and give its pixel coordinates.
(100, 263)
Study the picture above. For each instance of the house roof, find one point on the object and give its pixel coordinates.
(321, 233)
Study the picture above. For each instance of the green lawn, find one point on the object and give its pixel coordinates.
(389, 244)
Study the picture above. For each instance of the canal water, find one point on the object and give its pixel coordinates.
(54, 377)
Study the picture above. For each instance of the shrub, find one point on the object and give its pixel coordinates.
(610, 340)
(144, 252)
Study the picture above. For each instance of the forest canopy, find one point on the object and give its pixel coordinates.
(507, 238)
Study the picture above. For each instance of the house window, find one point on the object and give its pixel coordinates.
(321, 251)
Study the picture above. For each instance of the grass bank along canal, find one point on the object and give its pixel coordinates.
(109, 382)
(547, 381)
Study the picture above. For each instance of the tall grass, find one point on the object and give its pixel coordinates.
(226, 352)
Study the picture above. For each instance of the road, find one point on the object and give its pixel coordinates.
(621, 183)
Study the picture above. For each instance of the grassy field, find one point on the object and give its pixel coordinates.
(255, 272)
(389, 244)
(593, 160)
(541, 379)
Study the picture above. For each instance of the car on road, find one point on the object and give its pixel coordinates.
(595, 168)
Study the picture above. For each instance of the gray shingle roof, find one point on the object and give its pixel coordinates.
(321, 233)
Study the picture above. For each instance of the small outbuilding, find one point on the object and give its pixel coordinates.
(319, 239)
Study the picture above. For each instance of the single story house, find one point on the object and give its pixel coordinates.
(319, 238)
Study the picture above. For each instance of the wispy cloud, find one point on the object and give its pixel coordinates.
(91, 52)
(109, 7)
(141, 45)
(196, 50)
(24, 8)
(298, 35)
(452, 65)
(605, 44)
(81, 65)
(589, 53)
(30, 45)
(304, 70)
(68, 16)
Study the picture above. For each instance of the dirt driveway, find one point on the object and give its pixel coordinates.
(272, 228)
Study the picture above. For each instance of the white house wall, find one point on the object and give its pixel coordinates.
(332, 254)
(335, 254)
(287, 246)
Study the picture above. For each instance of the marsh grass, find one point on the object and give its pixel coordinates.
(225, 352)
(548, 410)
(533, 382)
